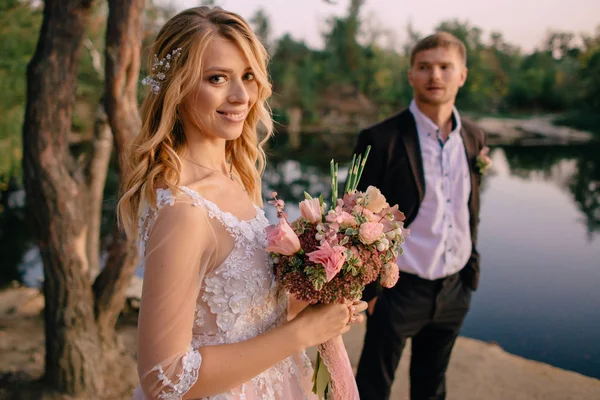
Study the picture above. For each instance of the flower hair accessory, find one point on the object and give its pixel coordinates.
(484, 162)
(160, 69)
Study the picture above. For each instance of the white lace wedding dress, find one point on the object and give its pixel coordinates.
(189, 302)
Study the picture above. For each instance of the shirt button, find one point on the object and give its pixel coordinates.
(448, 201)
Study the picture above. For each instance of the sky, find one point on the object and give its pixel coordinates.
(522, 22)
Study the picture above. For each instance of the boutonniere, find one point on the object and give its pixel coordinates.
(484, 162)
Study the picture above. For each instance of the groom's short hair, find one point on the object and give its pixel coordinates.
(439, 39)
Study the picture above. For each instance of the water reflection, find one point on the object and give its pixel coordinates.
(574, 169)
(538, 295)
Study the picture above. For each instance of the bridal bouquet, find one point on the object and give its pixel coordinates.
(330, 253)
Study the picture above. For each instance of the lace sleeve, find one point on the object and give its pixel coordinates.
(179, 250)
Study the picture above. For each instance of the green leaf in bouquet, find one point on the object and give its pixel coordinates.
(333, 166)
(356, 170)
(344, 240)
(336, 185)
(317, 276)
(362, 166)
(318, 284)
(321, 201)
(355, 174)
(356, 291)
(296, 262)
(315, 372)
(307, 196)
(351, 269)
(321, 383)
(348, 184)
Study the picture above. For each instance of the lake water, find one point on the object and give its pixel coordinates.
(539, 239)
(540, 243)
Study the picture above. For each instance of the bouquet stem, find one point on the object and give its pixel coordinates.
(355, 171)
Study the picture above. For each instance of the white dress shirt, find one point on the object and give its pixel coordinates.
(439, 243)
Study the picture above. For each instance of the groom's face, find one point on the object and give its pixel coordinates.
(436, 75)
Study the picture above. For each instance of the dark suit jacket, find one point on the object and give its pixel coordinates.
(395, 167)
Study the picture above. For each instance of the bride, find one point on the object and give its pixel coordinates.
(213, 323)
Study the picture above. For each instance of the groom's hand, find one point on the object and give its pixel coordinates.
(371, 306)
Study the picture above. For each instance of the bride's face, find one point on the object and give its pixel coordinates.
(220, 104)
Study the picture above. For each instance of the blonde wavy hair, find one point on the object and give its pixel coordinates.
(153, 157)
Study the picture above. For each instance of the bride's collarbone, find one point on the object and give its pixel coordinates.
(228, 197)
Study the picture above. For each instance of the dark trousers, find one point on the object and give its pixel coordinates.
(429, 312)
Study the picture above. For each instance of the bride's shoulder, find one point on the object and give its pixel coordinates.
(224, 195)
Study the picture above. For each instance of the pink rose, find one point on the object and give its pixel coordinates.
(375, 200)
(282, 239)
(332, 258)
(389, 275)
(311, 210)
(369, 232)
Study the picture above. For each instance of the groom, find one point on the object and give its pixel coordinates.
(424, 160)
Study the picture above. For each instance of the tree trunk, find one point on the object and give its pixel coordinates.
(123, 47)
(79, 319)
(97, 170)
(57, 197)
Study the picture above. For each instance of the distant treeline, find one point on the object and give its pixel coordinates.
(561, 76)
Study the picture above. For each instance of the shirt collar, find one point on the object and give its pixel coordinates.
(425, 125)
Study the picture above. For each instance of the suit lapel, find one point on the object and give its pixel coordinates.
(410, 138)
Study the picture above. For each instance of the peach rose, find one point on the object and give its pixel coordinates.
(332, 258)
(369, 232)
(375, 200)
(389, 275)
(282, 239)
(311, 210)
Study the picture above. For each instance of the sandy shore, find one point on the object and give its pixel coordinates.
(483, 371)
(478, 370)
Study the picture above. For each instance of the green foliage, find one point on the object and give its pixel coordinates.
(562, 75)
(19, 27)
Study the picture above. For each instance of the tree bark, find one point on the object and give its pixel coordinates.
(57, 197)
(96, 172)
(79, 319)
(123, 46)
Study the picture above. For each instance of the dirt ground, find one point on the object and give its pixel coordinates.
(478, 370)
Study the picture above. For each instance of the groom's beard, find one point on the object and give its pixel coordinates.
(437, 97)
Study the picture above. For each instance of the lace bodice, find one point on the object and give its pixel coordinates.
(234, 301)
